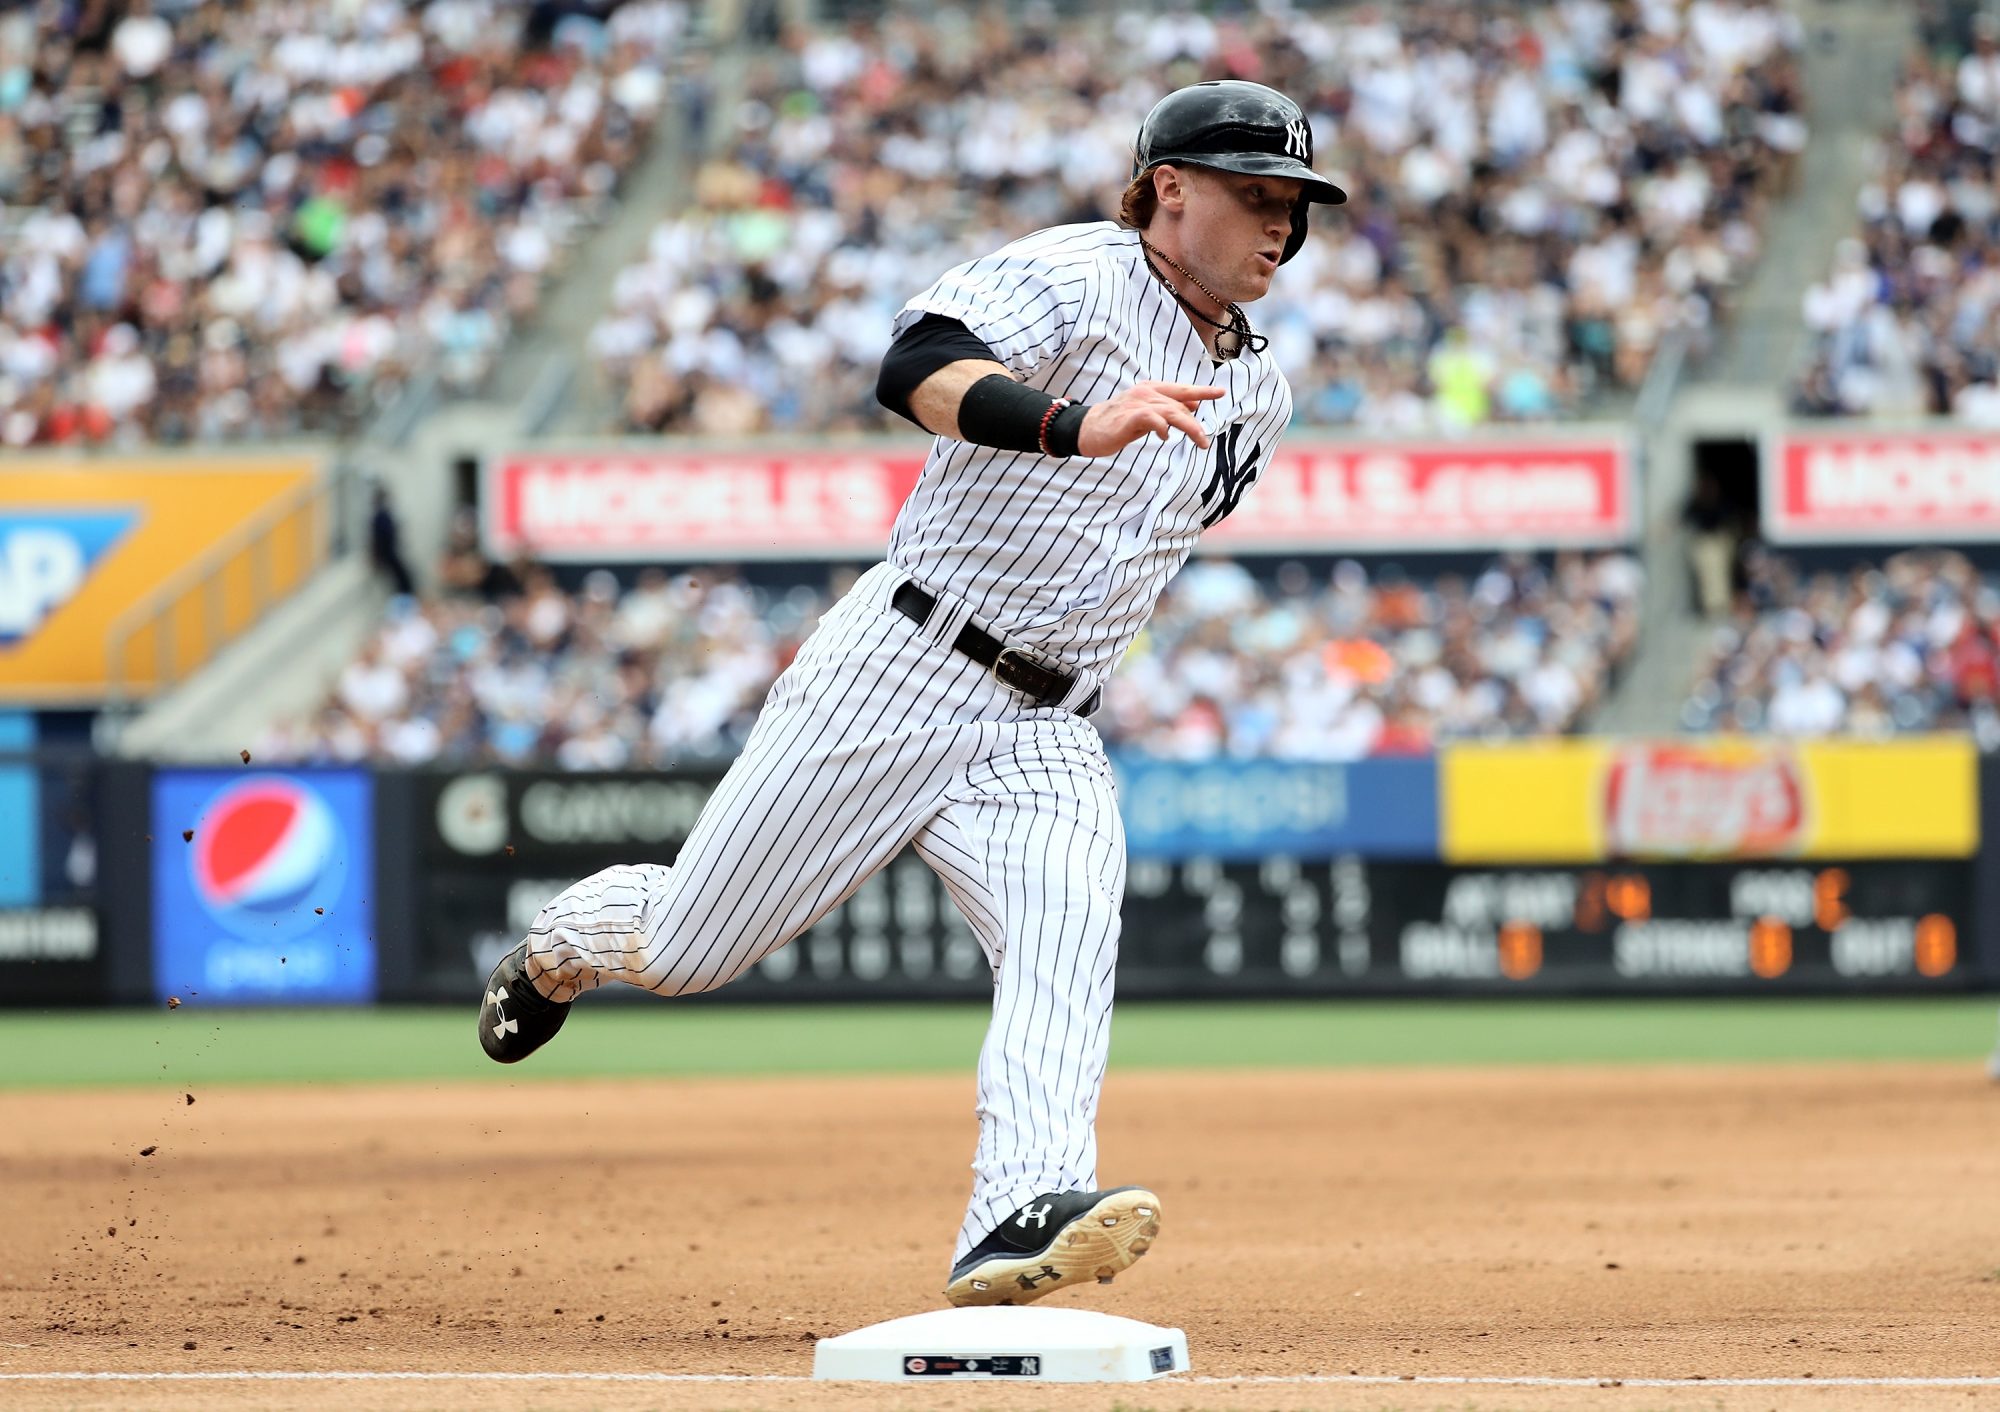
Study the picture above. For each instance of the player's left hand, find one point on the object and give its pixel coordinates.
(1160, 408)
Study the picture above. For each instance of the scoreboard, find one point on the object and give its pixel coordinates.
(1298, 923)
(1367, 925)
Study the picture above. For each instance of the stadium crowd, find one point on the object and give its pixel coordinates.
(1903, 323)
(223, 221)
(1540, 192)
(504, 665)
(1908, 644)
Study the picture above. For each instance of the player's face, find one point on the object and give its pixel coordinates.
(1235, 229)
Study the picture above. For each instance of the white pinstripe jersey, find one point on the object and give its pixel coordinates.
(1067, 557)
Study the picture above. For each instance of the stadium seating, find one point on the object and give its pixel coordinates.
(1540, 193)
(509, 667)
(1903, 644)
(235, 221)
(1902, 324)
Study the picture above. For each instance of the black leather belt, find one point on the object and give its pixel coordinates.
(1045, 686)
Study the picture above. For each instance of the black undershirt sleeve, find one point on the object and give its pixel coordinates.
(930, 343)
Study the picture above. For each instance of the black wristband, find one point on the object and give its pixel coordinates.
(1065, 427)
(997, 411)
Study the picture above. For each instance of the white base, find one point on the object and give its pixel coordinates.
(1035, 1344)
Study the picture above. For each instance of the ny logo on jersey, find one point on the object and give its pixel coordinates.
(1041, 1217)
(1298, 140)
(1232, 476)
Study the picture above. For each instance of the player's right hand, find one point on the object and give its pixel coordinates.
(1160, 408)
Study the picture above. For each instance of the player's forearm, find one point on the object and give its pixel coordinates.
(935, 402)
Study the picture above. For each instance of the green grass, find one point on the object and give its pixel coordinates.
(193, 1044)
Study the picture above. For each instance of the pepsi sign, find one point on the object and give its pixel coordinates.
(266, 897)
(45, 556)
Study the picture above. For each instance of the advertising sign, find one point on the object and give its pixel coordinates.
(643, 505)
(696, 504)
(20, 813)
(1383, 808)
(1884, 486)
(1576, 800)
(82, 542)
(1473, 495)
(263, 886)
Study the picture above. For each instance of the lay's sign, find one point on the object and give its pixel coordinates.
(82, 542)
(1694, 801)
(1572, 801)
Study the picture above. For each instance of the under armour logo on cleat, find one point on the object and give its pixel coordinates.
(1047, 1272)
(1041, 1216)
(494, 997)
(506, 1026)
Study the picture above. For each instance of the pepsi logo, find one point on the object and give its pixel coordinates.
(267, 851)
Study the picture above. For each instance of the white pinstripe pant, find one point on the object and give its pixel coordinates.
(880, 735)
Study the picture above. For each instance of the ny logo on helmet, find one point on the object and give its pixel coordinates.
(1298, 140)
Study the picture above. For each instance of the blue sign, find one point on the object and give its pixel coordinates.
(268, 899)
(20, 815)
(44, 558)
(1385, 808)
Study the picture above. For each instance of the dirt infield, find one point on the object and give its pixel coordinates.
(1769, 1222)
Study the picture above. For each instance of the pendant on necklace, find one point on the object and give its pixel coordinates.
(1228, 343)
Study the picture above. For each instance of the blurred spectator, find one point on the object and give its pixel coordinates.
(1556, 185)
(675, 667)
(1902, 325)
(245, 220)
(1906, 645)
(385, 549)
(1713, 535)
(464, 569)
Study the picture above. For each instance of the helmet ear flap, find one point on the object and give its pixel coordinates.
(1298, 236)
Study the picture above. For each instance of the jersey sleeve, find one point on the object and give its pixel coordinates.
(1018, 305)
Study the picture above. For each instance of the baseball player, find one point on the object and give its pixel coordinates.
(1098, 397)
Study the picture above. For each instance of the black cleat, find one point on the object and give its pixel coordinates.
(514, 1018)
(1056, 1241)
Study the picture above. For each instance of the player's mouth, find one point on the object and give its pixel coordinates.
(1269, 259)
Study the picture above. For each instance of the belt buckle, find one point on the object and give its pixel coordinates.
(1015, 668)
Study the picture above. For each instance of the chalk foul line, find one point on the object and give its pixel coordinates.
(1349, 1379)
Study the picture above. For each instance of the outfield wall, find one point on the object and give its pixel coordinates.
(1575, 866)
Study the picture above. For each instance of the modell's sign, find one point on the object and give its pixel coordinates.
(696, 504)
(608, 506)
(1887, 486)
(1567, 492)
(1675, 801)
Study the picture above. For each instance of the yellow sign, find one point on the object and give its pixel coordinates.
(1582, 801)
(83, 542)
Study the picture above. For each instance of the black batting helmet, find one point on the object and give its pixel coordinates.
(1239, 127)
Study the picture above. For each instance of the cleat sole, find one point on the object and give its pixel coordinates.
(1098, 1245)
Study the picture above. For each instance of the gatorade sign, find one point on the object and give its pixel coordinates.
(44, 560)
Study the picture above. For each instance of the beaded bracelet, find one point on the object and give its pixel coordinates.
(1042, 435)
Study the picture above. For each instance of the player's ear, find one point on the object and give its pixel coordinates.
(1170, 188)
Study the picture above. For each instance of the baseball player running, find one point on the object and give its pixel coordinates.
(1098, 398)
